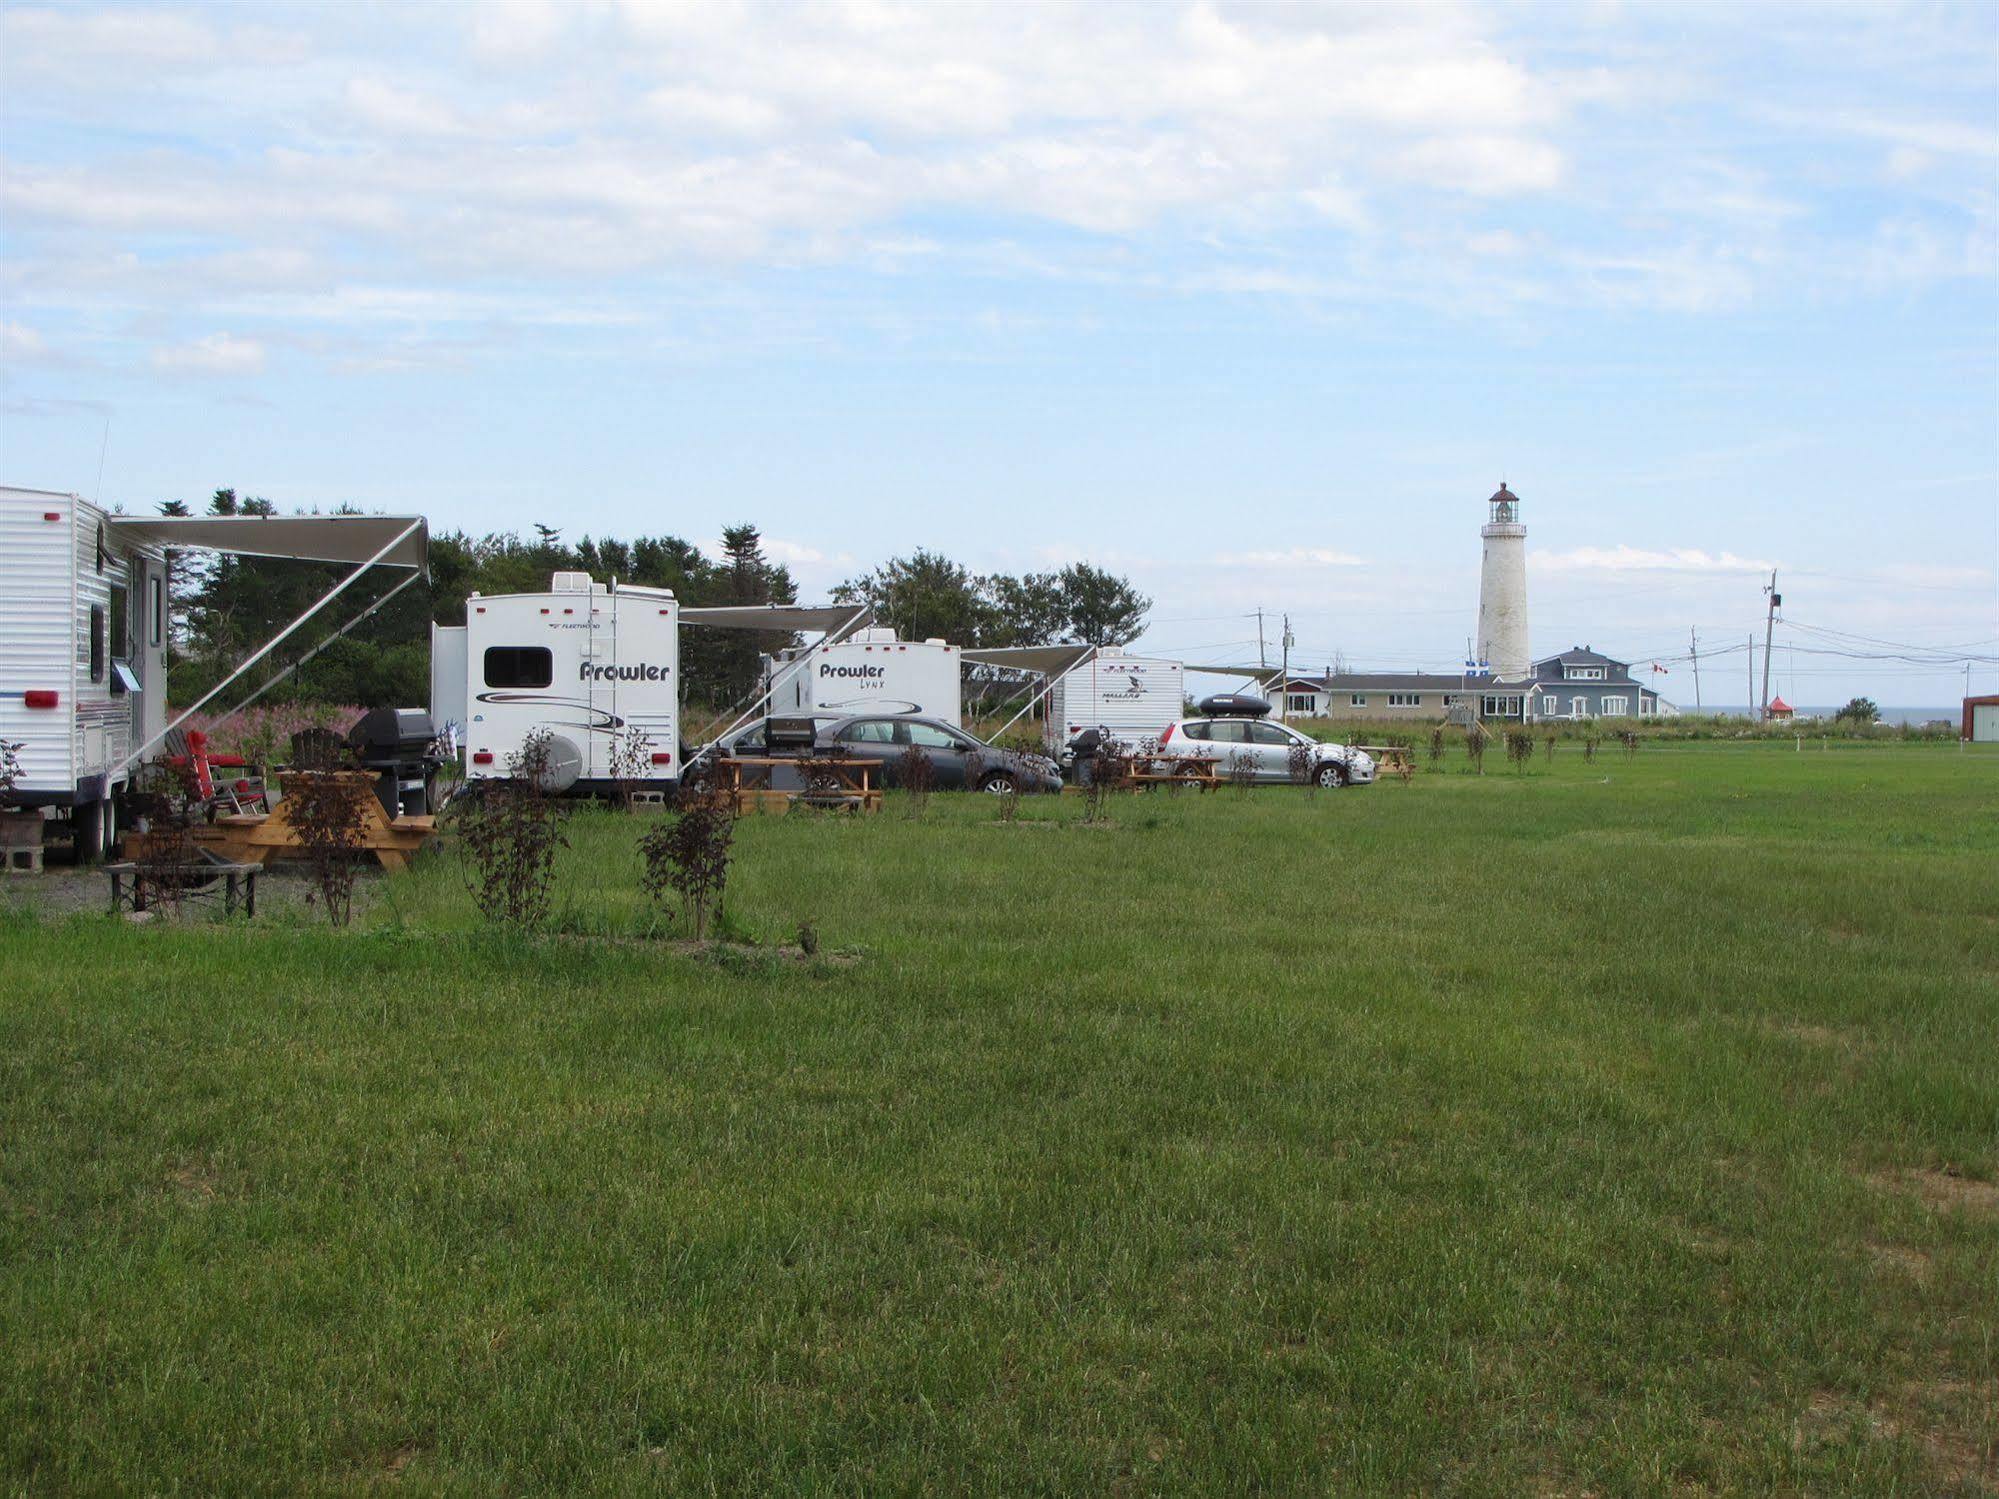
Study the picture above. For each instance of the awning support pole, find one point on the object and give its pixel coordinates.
(1048, 682)
(339, 634)
(832, 637)
(269, 646)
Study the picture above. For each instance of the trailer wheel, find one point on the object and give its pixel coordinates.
(108, 828)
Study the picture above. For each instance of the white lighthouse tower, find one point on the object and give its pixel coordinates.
(1502, 590)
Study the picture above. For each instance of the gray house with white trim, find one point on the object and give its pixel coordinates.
(1577, 684)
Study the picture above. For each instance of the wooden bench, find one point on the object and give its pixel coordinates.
(197, 877)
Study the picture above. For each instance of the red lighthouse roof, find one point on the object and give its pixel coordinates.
(1778, 705)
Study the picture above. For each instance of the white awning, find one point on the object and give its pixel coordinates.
(313, 538)
(815, 617)
(1048, 660)
(1258, 672)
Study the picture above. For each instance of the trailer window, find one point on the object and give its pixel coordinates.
(121, 624)
(519, 666)
(156, 610)
(96, 642)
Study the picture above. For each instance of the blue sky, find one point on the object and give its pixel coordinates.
(1254, 303)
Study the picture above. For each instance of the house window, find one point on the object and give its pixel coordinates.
(519, 666)
(1300, 702)
(1584, 673)
(1450, 700)
(1550, 706)
(1501, 706)
(1358, 700)
(1616, 707)
(1405, 699)
(1579, 707)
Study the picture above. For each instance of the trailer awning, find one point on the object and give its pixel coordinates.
(352, 539)
(1048, 660)
(815, 617)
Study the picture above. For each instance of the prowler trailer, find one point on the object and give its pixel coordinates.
(871, 671)
(84, 622)
(595, 666)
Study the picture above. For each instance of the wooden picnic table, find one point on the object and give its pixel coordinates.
(1390, 757)
(196, 877)
(261, 838)
(840, 782)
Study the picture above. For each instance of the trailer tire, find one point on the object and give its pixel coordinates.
(107, 843)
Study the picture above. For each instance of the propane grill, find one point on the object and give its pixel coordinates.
(400, 746)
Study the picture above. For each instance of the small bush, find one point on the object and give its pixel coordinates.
(508, 834)
(631, 758)
(326, 811)
(686, 858)
(1298, 765)
(916, 773)
(170, 802)
(1590, 742)
(1475, 740)
(10, 768)
(1436, 746)
(1242, 771)
(1519, 749)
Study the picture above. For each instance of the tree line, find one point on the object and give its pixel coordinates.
(224, 606)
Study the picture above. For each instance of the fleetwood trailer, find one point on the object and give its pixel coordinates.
(586, 662)
(1134, 697)
(84, 633)
(869, 672)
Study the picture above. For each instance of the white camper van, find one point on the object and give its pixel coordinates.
(1134, 697)
(586, 661)
(83, 628)
(869, 672)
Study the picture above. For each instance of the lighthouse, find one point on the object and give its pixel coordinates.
(1502, 590)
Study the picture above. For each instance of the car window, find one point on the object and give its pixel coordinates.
(1195, 730)
(929, 736)
(874, 731)
(1227, 733)
(1267, 733)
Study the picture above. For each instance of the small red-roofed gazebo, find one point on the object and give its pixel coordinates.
(1779, 709)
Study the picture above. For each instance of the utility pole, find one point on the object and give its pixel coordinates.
(1284, 687)
(1694, 643)
(1769, 627)
(1262, 661)
(1753, 713)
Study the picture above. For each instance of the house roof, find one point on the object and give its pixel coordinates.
(1778, 705)
(1399, 681)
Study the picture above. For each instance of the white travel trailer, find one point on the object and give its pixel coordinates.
(84, 633)
(869, 672)
(1134, 697)
(587, 662)
(83, 622)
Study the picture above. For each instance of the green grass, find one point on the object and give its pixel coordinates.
(1622, 1128)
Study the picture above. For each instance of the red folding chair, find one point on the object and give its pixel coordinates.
(237, 793)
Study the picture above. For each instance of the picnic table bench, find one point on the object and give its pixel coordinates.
(1392, 758)
(197, 876)
(834, 782)
(258, 838)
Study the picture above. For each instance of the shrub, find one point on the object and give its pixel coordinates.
(1436, 746)
(631, 758)
(1475, 738)
(1519, 749)
(168, 799)
(10, 768)
(1590, 742)
(1548, 746)
(509, 833)
(687, 858)
(916, 773)
(325, 811)
(1108, 772)
(1298, 764)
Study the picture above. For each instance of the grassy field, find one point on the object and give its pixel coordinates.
(1616, 1128)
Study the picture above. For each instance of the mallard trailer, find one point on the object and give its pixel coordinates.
(595, 666)
(1133, 697)
(84, 621)
(871, 671)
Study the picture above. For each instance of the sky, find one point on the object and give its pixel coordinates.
(1254, 303)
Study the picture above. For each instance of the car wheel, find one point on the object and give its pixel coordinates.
(999, 783)
(1332, 776)
(1190, 771)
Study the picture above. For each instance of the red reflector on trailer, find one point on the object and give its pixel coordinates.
(51, 515)
(482, 757)
(39, 697)
(663, 757)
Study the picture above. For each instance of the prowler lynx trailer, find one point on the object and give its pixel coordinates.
(84, 633)
(869, 672)
(596, 666)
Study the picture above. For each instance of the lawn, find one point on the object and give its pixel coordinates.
(1626, 1127)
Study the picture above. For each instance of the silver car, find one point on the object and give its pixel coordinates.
(1266, 747)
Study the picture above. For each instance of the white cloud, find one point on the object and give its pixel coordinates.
(217, 354)
(1624, 559)
(21, 344)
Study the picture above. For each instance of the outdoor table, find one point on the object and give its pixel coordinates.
(827, 781)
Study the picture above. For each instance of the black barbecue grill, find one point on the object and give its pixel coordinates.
(400, 746)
